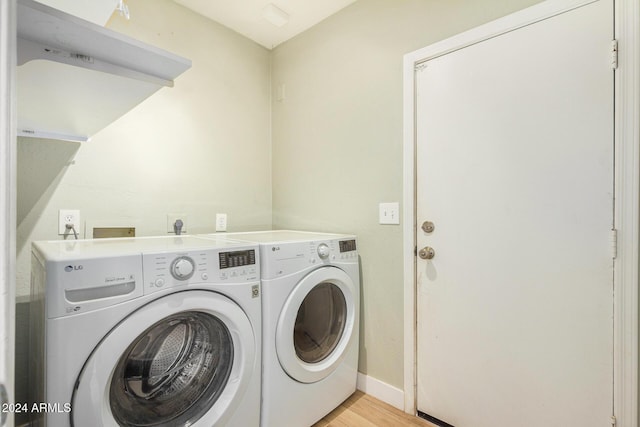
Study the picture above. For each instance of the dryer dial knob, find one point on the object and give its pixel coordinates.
(182, 268)
(323, 251)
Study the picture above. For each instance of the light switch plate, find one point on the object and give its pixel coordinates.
(390, 213)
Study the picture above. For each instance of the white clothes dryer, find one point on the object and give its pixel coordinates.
(159, 331)
(311, 304)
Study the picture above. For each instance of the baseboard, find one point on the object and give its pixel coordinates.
(383, 391)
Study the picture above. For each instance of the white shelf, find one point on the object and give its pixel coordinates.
(75, 77)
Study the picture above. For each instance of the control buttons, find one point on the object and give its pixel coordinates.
(205, 276)
(159, 283)
(349, 255)
(323, 251)
(182, 268)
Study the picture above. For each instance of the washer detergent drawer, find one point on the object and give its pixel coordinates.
(90, 284)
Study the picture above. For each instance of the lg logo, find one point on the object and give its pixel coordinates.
(70, 268)
(275, 248)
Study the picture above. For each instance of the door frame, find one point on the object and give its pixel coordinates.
(626, 181)
(7, 198)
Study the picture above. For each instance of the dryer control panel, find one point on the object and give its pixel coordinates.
(347, 245)
(281, 259)
(169, 270)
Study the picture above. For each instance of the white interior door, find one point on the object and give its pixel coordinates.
(515, 170)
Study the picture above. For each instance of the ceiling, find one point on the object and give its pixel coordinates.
(97, 12)
(250, 17)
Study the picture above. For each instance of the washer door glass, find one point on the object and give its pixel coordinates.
(173, 372)
(320, 322)
(317, 323)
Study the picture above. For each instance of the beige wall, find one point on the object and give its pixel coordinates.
(337, 141)
(204, 146)
(198, 148)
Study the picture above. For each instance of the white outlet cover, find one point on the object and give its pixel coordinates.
(221, 222)
(68, 216)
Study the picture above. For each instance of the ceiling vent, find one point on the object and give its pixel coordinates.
(275, 15)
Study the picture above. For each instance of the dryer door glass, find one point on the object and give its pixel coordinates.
(173, 373)
(320, 322)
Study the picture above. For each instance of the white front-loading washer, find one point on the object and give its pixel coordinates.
(311, 303)
(159, 331)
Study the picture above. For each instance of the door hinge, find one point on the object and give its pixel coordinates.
(614, 54)
(415, 251)
(614, 422)
(614, 243)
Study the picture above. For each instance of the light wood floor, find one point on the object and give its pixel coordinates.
(362, 410)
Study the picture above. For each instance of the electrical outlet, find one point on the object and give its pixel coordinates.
(68, 216)
(171, 220)
(221, 222)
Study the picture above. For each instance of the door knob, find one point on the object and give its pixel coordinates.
(428, 227)
(427, 253)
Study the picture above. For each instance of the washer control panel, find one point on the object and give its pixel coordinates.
(237, 258)
(169, 270)
(182, 268)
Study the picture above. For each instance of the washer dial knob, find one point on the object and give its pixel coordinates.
(323, 251)
(182, 268)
